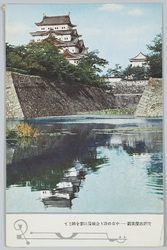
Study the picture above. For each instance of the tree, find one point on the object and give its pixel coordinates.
(116, 72)
(154, 59)
(44, 59)
(89, 68)
(135, 73)
(9, 50)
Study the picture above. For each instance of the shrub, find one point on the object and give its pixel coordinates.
(26, 130)
(11, 133)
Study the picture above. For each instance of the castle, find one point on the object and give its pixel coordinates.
(139, 60)
(67, 38)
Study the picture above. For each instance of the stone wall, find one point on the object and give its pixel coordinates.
(128, 93)
(151, 102)
(39, 97)
(13, 107)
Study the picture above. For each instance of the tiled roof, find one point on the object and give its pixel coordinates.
(74, 42)
(40, 33)
(57, 32)
(69, 55)
(140, 57)
(55, 20)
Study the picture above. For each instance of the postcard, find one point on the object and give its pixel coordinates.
(84, 123)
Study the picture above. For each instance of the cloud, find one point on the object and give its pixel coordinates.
(16, 28)
(132, 35)
(135, 12)
(128, 36)
(16, 33)
(111, 7)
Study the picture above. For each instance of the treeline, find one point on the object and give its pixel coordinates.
(152, 67)
(43, 59)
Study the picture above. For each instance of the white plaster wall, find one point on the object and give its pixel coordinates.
(66, 37)
(135, 64)
(54, 27)
(73, 50)
(74, 62)
(39, 38)
(113, 79)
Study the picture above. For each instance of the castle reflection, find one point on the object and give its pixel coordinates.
(65, 190)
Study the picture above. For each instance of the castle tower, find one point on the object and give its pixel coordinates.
(139, 60)
(67, 37)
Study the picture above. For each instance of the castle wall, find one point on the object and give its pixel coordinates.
(151, 102)
(127, 93)
(40, 97)
(13, 107)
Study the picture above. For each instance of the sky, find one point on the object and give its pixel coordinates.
(118, 31)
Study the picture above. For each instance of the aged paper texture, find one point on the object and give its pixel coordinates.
(84, 123)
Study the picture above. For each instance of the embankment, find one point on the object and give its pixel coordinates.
(151, 102)
(32, 96)
(127, 93)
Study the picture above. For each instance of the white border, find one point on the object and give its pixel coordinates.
(2, 101)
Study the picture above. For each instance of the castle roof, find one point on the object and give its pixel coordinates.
(74, 56)
(56, 20)
(139, 58)
(57, 32)
(74, 42)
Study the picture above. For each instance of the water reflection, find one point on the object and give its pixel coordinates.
(109, 166)
(65, 190)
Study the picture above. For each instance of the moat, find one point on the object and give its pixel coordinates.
(87, 164)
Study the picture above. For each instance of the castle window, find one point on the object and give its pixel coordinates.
(42, 28)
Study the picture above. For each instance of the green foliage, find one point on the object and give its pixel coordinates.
(152, 69)
(120, 111)
(44, 59)
(9, 50)
(154, 59)
(135, 73)
(116, 72)
(88, 69)
(11, 133)
(22, 71)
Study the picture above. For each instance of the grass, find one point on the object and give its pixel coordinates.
(130, 130)
(121, 111)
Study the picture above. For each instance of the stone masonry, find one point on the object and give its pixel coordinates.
(151, 102)
(128, 93)
(13, 107)
(32, 96)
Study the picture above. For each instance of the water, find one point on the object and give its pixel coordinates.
(87, 165)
